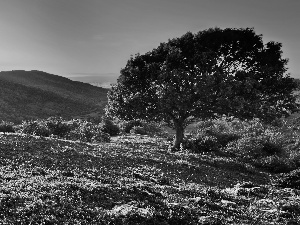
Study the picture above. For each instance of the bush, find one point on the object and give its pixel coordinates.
(253, 147)
(289, 180)
(58, 126)
(275, 164)
(87, 132)
(231, 127)
(143, 128)
(294, 156)
(225, 138)
(71, 130)
(101, 137)
(128, 125)
(247, 139)
(7, 127)
(153, 129)
(37, 127)
(110, 128)
(201, 144)
(138, 130)
(212, 135)
(265, 146)
(272, 148)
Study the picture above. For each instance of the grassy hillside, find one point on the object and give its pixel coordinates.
(36, 94)
(133, 180)
(227, 172)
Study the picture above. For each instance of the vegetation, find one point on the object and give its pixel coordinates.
(6, 127)
(30, 95)
(70, 130)
(204, 75)
(110, 128)
(136, 180)
(264, 146)
(142, 127)
(237, 163)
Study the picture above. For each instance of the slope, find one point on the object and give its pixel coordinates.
(133, 180)
(36, 94)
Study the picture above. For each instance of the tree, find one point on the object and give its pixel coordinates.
(204, 75)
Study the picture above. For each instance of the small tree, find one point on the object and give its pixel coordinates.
(205, 75)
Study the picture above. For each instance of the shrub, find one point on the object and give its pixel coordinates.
(128, 125)
(142, 127)
(58, 126)
(289, 180)
(201, 144)
(87, 132)
(37, 127)
(110, 128)
(275, 164)
(101, 137)
(153, 129)
(138, 130)
(246, 139)
(272, 148)
(212, 135)
(7, 127)
(224, 138)
(253, 147)
(294, 156)
(71, 130)
(265, 146)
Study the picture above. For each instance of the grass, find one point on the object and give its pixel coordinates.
(133, 180)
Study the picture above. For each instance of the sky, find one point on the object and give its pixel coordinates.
(95, 38)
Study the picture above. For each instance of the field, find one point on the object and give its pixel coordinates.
(134, 179)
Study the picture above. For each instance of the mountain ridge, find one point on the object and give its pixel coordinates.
(36, 94)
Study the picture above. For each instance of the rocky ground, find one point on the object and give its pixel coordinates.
(134, 180)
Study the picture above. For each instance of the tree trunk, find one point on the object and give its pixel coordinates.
(179, 136)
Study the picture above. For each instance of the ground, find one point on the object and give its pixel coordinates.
(134, 179)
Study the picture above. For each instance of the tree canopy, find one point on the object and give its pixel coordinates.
(208, 74)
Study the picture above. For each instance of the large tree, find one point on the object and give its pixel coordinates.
(211, 73)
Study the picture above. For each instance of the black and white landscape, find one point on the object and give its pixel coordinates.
(149, 112)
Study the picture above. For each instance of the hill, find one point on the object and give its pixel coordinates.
(99, 80)
(36, 94)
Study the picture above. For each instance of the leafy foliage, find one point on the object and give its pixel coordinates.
(289, 180)
(110, 128)
(70, 130)
(265, 146)
(142, 127)
(58, 126)
(154, 129)
(275, 164)
(212, 135)
(138, 130)
(204, 75)
(37, 127)
(7, 127)
(87, 132)
(252, 147)
(201, 144)
(126, 126)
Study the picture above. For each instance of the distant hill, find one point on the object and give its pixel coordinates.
(95, 78)
(99, 80)
(36, 94)
(103, 85)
